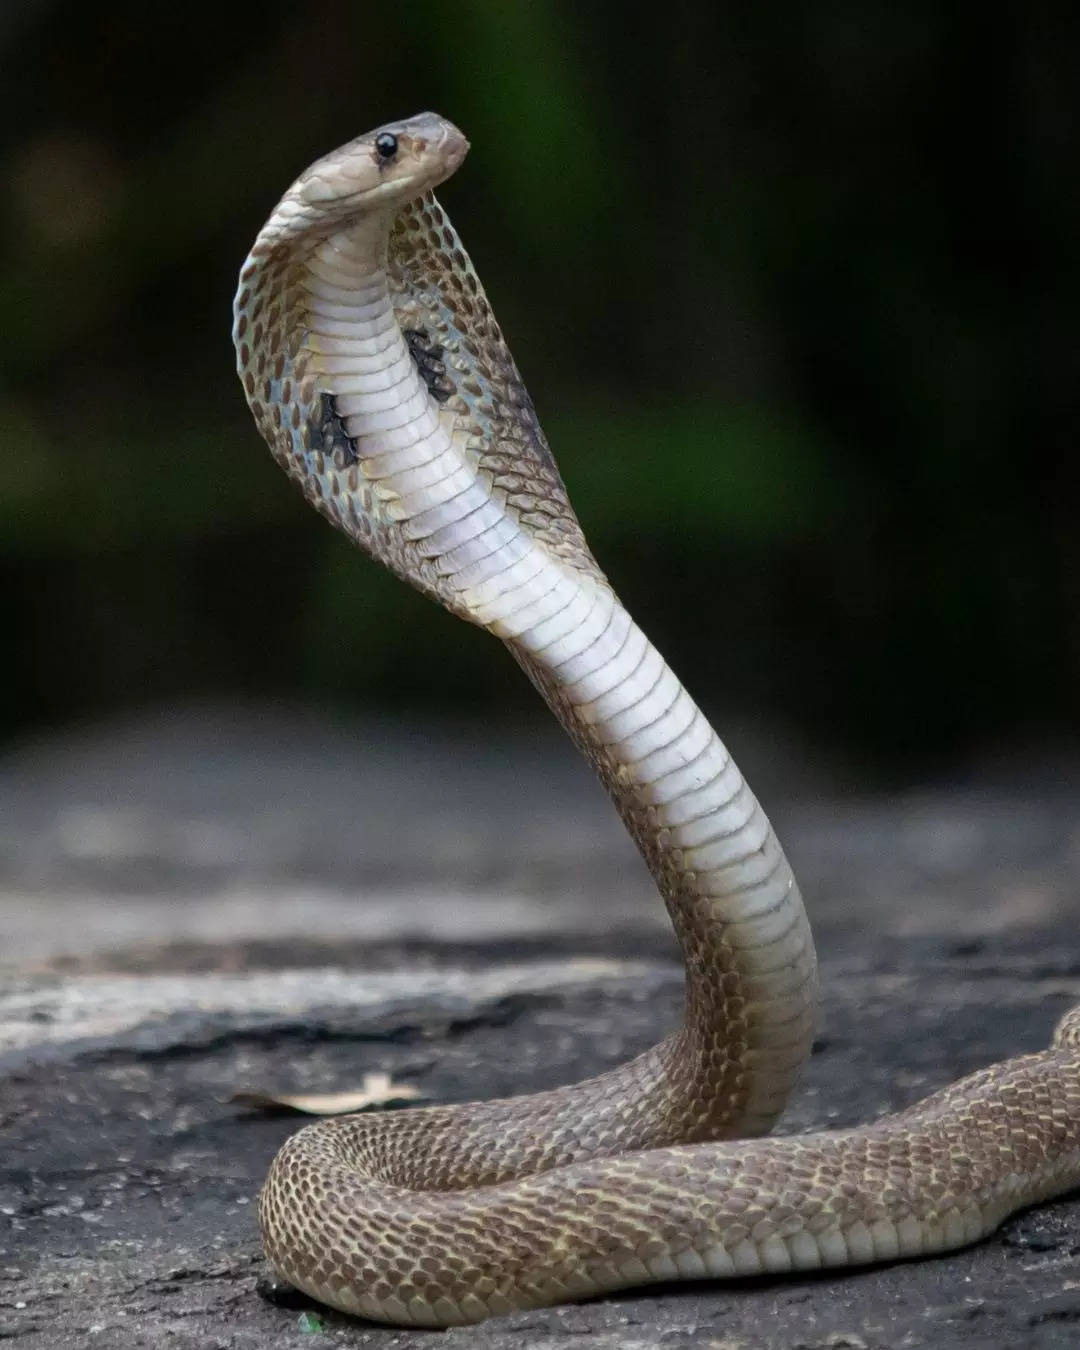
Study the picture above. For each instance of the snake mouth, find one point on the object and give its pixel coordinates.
(428, 157)
(452, 147)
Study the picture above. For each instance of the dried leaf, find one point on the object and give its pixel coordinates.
(377, 1089)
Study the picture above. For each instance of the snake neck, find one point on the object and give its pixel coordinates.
(751, 972)
(381, 381)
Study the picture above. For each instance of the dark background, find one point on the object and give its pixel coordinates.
(794, 288)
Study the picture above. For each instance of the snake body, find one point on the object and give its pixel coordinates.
(381, 382)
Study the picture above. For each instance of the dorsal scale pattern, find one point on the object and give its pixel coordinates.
(436, 291)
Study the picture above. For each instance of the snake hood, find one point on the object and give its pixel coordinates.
(378, 375)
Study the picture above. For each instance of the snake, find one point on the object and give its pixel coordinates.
(378, 376)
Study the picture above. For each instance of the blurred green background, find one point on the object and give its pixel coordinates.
(794, 288)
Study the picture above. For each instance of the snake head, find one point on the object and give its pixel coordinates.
(374, 175)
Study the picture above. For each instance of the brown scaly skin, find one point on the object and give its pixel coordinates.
(379, 378)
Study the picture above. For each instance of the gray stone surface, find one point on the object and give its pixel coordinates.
(250, 897)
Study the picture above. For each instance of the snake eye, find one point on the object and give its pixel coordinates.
(386, 145)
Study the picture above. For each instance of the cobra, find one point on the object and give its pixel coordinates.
(380, 380)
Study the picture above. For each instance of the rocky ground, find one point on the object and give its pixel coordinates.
(215, 900)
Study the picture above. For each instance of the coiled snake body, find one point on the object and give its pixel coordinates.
(380, 380)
